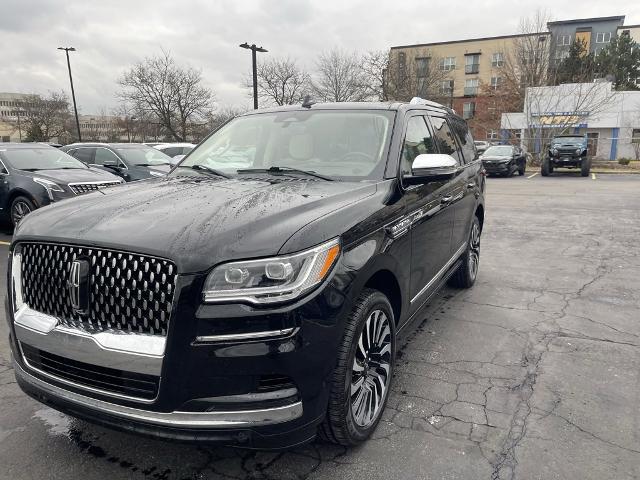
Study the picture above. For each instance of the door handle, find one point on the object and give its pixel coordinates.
(471, 185)
(447, 199)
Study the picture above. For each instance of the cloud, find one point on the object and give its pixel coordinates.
(111, 36)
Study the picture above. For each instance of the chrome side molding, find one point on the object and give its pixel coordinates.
(238, 337)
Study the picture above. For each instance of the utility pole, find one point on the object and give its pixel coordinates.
(254, 64)
(73, 93)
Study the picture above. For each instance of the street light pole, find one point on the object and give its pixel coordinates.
(254, 64)
(73, 93)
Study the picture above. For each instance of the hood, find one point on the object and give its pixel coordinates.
(496, 157)
(195, 221)
(66, 176)
(161, 168)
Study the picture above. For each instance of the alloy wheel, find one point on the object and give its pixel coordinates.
(474, 250)
(19, 211)
(371, 370)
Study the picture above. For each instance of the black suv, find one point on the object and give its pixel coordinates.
(567, 151)
(504, 160)
(33, 175)
(257, 294)
(131, 161)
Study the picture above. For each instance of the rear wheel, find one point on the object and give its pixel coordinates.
(20, 208)
(465, 275)
(585, 167)
(545, 168)
(361, 380)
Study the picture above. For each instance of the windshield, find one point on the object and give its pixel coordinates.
(571, 140)
(143, 156)
(345, 144)
(41, 159)
(500, 150)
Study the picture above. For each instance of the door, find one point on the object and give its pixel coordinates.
(453, 138)
(5, 187)
(592, 143)
(430, 213)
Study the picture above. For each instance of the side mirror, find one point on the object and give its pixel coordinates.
(429, 167)
(110, 164)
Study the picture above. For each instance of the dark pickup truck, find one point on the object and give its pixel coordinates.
(567, 151)
(257, 295)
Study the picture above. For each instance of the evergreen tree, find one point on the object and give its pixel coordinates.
(620, 60)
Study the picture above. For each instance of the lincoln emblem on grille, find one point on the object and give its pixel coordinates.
(78, 286)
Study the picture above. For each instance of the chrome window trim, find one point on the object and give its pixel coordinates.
(124, 165)
(442, 271)
(176, 419)
(244, 336)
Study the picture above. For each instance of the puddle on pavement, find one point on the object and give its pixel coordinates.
(57, 423)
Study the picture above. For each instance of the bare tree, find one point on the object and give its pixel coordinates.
(281, 81)
(340, 77)
(425, 76)
(43, 118)
(375, 65)
(173, 94)
(219, 117)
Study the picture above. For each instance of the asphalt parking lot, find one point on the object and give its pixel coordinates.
(532, 374)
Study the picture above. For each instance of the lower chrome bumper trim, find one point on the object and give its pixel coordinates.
(195, 420)
(234, 337)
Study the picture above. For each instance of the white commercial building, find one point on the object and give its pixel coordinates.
(611, 119)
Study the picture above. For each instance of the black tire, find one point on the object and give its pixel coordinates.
(522, 169)
(585, 167)
(545, 167)
(341, 424)
(465, 275)
(20, 208)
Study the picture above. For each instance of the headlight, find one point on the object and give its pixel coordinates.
(578, 151)
(49, 186)
(270, 280)
(16, 279)
(554, 152)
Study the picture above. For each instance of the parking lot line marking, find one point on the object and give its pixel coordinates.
(593, 176)
(4, 243)
(531, 176)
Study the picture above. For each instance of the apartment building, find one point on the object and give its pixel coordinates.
(463, 73)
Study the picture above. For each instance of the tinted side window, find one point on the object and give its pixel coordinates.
(444, 139)
(463, 132)
(84, 154)
(103, 154)
(416, 141)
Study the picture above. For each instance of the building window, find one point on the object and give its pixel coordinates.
(562, 54)
(635, 135)
(468, 109)
(472, 63)
(564, 40)
(422, 66)
(496, 82)
(497, 60)
(603, 37)
(471, 86)
(446, 87)
(448, 63)
(492, 134)
(6, 139)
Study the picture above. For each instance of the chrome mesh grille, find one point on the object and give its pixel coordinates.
(127, 292)
(80, 188)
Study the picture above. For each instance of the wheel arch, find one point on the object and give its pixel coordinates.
(480, 214)
(385, 281)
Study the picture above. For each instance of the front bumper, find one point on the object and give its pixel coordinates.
(497, 167)
(209, 369)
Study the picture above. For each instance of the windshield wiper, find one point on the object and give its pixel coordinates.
(204, 168)
(276, 169)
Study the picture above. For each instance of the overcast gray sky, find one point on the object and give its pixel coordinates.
(111, 35)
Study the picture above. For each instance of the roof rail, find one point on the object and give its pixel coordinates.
(422, 101)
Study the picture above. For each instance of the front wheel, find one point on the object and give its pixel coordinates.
(522, 169)
(545, 169)
(361, 380)
(585, 167)
(465, 275)
(20, 208)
